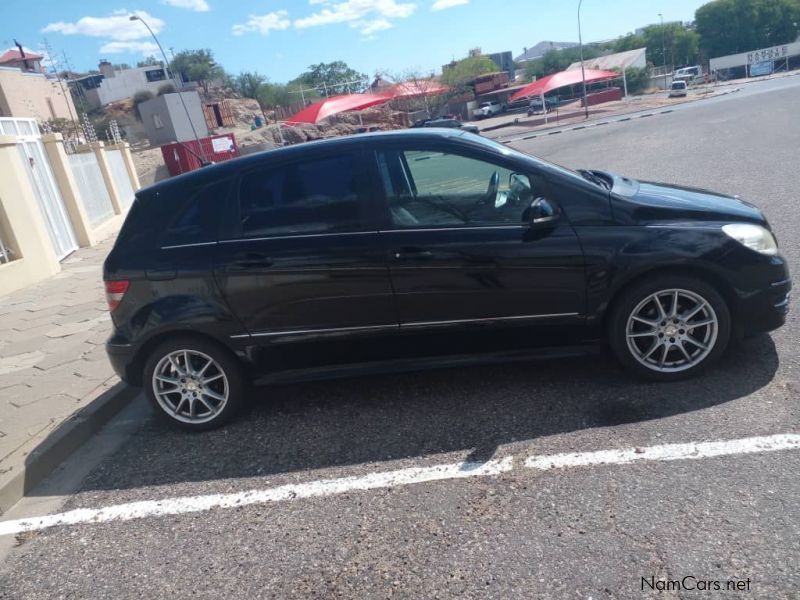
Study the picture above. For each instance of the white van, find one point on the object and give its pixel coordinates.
(689, 74)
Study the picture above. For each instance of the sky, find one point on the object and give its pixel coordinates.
(280, 38)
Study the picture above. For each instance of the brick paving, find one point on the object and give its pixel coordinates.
(52, 356)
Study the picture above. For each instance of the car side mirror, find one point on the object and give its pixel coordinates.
(541, 212)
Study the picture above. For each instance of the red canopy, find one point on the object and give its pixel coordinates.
(564, 78)
(314, 113)
(411, 89)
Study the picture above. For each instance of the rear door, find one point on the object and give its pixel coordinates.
(302, 266)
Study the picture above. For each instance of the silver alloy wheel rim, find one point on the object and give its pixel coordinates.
(190, 386)
(672, 330)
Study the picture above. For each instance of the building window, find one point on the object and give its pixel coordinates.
(155, 75)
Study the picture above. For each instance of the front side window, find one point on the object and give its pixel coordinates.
(314, 196)
(427, 188)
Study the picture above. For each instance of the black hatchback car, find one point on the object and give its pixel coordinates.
(422, 248)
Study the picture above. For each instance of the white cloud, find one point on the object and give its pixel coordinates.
(263, 24)
(117, 26)
(195, 5)
(443, 4)
(370, 27)
(143, 48)
(368, 16)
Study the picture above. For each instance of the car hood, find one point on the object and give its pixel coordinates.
(647, 201)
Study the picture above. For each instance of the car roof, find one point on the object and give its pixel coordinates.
(231, 167)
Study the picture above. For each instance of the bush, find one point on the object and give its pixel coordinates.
(638, 80)
(167, 88)
(138, 98)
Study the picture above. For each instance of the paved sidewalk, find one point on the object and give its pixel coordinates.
(52, 356)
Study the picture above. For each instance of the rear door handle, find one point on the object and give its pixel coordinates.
(250, 260)
(413, 254)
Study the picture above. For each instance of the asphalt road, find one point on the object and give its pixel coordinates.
(585, 532)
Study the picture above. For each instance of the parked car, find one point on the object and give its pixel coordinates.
(420, 248)
(678, 89)
(447, 122)
(489, 109)
(535, 105)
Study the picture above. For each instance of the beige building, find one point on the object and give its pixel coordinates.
(34, 96)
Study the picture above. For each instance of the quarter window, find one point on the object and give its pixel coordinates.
(427, 188)
(315, 196)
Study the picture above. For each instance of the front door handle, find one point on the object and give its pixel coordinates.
(413, 254)
(250, 260)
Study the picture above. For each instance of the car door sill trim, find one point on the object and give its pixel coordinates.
(414, 324)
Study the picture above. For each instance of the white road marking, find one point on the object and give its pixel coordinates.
(666, 452)
(325, 487)
(401, 477)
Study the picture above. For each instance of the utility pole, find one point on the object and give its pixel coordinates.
(583, 70)
(663, 49)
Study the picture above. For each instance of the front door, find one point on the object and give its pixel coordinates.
(462, 253)
(303, 268)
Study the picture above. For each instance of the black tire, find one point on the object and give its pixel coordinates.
(631, 298)
(224, 362)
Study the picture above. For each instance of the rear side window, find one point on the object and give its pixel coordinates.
(198, 219)
(313, 196)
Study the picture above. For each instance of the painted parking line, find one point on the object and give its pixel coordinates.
(401, 477)
(667, 452)
(311, 489)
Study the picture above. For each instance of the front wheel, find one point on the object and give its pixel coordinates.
(670, 327)
(193, 384)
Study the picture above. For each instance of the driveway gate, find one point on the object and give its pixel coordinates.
(44, 185)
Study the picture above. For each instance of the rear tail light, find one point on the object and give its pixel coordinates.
(115, 290)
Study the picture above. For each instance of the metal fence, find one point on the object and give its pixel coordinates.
(94, 194)
(119, 173)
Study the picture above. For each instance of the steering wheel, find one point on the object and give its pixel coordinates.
(491, 192)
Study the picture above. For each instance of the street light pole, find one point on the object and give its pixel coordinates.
(168, 66)
(663, 49)
(583, 70)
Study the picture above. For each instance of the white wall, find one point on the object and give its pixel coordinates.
(126, 83)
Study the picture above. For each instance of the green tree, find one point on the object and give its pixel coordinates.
(197, 65)
(334, 78)
(629, 42)
(270, 95)
(150, 61)
(671, 44)
(733, 26)
(467, 69)
(248, 83)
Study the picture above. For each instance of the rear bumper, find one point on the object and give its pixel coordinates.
(122, 357)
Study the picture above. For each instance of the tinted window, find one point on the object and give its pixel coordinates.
(427, 188)
(315, 196)
(198, 219)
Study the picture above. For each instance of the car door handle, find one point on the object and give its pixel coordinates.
(413, 254)
(250, 260)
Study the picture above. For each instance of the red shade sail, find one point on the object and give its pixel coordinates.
(314, 113)
(562, 79)
(412, 89)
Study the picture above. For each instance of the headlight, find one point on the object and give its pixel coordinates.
(754, 237)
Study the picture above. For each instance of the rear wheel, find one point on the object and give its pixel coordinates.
(193, 384)
(670, 327)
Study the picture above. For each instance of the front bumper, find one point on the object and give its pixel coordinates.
(766, 309)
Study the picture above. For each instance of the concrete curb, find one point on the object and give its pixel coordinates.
(623, 118)
(30, 467)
